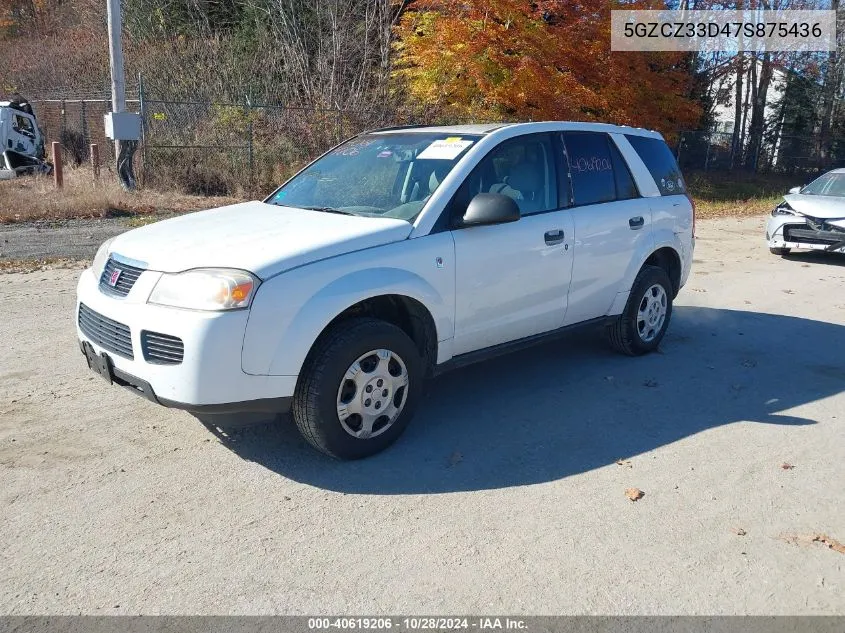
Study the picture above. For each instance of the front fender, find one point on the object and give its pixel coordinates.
(291, 310)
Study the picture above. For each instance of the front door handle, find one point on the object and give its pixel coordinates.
(554, 237)
(636, 223)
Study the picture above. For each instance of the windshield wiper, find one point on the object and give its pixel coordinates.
(329, 210)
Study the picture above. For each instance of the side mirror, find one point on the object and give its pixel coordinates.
(490, 208)
(795, 190)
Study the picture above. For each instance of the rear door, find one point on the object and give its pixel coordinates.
(611, 221)
(512, 279)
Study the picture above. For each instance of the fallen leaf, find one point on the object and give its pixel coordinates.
(456, 458)
(650, 383)
(634, 494)
(739, 531)
(624, 462)
(787, 466)
(749, 363)
(789, 292)
(824, 539)
(833, 544)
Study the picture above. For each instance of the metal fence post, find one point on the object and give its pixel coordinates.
(64, 120)
(142, 106)
(250, 148)
(84, 122)
(707, 154)
(95, 161)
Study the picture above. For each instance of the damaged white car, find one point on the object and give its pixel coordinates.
(811, 217)
(22, 152)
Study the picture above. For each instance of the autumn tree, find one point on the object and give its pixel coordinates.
(515, 59)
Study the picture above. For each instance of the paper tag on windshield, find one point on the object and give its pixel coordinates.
(445, 149)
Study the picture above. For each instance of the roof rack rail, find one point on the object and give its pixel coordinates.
(397, 127)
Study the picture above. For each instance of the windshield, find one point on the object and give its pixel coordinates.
(377, 175)
(828, 185)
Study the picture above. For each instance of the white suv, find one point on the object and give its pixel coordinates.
(399, 254)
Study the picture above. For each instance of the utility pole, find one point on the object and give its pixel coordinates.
(121, 126)
(118, 85)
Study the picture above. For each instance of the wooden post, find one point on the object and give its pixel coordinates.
(57, 164)
(95, 161)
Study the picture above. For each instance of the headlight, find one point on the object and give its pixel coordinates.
(101, 258)
(205, 289)
(783, 209)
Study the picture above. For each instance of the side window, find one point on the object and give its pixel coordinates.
(590, 167)
(660, 162)
(522, 168)
(625, 186)
(22, 124)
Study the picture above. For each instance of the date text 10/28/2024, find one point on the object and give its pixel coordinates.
(418, 624)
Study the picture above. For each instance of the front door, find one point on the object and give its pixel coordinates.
(512, 279)
(22, 136)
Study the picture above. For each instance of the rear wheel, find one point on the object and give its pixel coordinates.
(783, 252)
(359, 388)
(641, 326)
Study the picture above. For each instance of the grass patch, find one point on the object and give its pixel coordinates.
(737, 193)
(716, 195)
(36, 198)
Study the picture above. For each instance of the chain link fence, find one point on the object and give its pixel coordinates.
(211, 148)
(714, 151)
(223, 148)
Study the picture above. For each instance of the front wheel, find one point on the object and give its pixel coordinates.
(358, 389)
(641, 326)
(783, 252)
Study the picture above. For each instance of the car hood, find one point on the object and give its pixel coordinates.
(826, 207)
(262, 238)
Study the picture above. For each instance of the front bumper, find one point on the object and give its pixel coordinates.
(794, 232)
(209, 379)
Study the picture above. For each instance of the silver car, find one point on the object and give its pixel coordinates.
(810, 217)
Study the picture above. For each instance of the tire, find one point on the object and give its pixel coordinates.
(783, 252)
(632, 335)
(324, 386)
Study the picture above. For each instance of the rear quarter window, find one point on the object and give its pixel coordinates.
(660, 162)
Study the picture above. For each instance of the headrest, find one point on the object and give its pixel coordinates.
(437, 176)
(525, 177)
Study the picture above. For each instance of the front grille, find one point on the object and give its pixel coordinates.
(126, 278)
(108, 334)
(809, 235)
(162, 349)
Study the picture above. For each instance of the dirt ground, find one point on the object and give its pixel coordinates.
(504, 496)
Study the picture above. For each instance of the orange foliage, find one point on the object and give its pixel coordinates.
(515, 59)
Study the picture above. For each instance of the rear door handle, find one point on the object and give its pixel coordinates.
(554, 237)
(636, 223)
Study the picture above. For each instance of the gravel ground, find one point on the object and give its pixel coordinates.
(505, 494)
(65, 239)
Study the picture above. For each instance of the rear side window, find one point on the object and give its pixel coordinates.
(660, 162)
(590, 167)
(625, 186)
